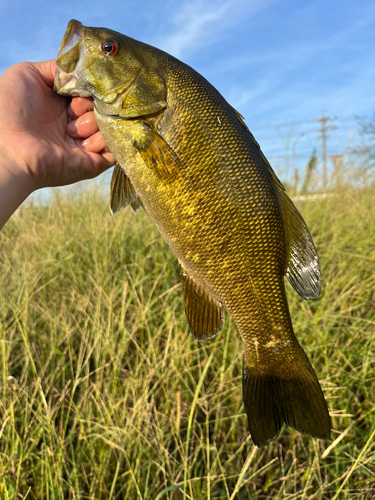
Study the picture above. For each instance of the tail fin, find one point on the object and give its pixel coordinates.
(295, 399)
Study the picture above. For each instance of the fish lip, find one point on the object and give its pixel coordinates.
(67, 83)
(61, 79)
(72, 36)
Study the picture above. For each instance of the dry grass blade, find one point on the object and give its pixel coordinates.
(105, 395)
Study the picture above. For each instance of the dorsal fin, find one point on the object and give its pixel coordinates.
(302, 267)
(205, 314)
(302, 263)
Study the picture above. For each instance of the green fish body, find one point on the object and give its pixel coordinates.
(187, 157)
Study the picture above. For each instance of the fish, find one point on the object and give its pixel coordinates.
(187, 157)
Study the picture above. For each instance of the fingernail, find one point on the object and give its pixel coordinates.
(84, 143)
(72, 127)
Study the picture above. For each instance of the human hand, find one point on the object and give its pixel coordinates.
(45, 140)
(33, 129)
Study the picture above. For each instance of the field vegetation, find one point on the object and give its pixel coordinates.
(105, 395)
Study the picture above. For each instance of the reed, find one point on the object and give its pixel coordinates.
(105, 394)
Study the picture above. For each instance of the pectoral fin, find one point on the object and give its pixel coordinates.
(122, 191)
(136, 205)
(205, 314)
(157, 154)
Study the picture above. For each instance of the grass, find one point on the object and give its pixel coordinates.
(105, 394)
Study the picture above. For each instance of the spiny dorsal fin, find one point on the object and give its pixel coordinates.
(302, 264)
(241, 119)
(157, 154)
(205, 314)
(122, 192)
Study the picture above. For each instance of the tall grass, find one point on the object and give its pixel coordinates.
(105, 394)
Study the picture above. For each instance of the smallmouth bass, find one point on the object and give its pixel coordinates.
(187, 157)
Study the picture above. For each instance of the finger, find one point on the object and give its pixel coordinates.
(80, 106)
(105, 159)
(95, 143)
(83, 127)
(109, 158)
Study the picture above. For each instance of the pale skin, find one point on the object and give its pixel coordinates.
(46, 140)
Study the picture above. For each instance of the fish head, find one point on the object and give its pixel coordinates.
(121, 74)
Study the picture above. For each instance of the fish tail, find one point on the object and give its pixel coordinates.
(295, 399)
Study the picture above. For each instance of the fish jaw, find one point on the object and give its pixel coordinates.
(72, 36)
(70, 62)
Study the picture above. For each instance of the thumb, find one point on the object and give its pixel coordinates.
(46, 70)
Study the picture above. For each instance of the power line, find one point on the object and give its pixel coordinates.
(293, 124)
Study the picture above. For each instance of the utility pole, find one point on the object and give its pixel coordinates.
(295, 171)
(323, 132)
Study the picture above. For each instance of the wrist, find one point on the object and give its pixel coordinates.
(15, 187)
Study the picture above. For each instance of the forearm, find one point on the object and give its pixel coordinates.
(15, 187)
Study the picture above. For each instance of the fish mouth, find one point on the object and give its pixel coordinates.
(72, 36)
(69, 62)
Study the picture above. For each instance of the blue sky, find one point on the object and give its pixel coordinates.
(281, 63)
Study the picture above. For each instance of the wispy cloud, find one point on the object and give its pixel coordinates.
(201, 23)
(287, 76)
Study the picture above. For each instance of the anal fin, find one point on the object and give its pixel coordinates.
(204, 313)
(122, 191)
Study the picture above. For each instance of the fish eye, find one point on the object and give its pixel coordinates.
(109, 47)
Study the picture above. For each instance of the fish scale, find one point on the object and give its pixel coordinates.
(187, 157)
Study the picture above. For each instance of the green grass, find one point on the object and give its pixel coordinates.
(105, 394)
